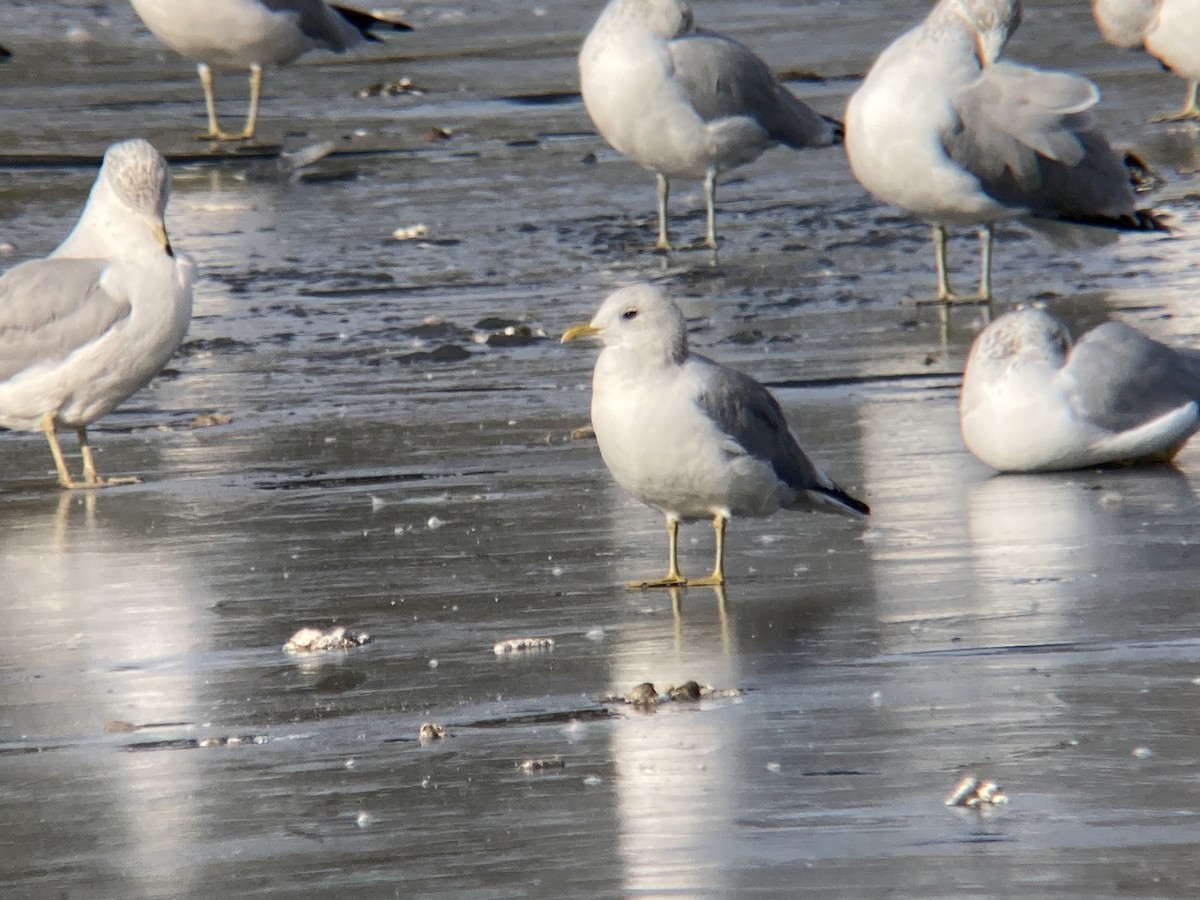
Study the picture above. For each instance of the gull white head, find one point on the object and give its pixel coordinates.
(640, 319)
(992, 22)
(1025, 335)
(662, 18)
(130, 195)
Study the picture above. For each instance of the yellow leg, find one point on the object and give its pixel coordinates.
(663, 189)
(210, 105)
(51, 432)
(90, 478)
(718, 573)
(1191, 107)
(674, 577)
(255, 93)
(710, 206)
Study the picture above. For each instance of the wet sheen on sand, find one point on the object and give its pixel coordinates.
(399, 461)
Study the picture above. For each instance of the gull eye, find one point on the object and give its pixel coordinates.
(629, 314)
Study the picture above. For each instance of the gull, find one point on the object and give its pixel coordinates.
(944, 131)
(1169, 30)
(688, 435)
(1032, 402)
(88, 326)
(249, 34)
(685, 102)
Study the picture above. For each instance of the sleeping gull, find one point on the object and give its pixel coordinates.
(685, 102)
(1033, 403)
(249, 34)
(88, 326)
(689, 436)
(944, 131)
(1169, 30)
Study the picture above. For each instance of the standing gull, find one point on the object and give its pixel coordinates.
(90, 325)
(1032, 402)
(249, 34)
(685, 102)
(1169, 30)
(944, 131)
(689, 436)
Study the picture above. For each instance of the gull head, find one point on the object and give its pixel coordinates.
(992, 22)
(639, 319)
(663, 18)
(1025, 335)
(124, 212)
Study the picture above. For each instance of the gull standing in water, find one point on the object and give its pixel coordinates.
(1169, 30)
(1032, 402)
(685, 102)
(93, 323)
(249, 34)
(689, 436)
(944, 131)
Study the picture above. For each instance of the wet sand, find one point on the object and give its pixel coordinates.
(397, 464)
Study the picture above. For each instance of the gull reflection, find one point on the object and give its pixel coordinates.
(104, 624)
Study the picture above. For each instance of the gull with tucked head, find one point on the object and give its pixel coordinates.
(686, 102)
(93, 323)
(245, 35)
(1033, 402)
(688, 435)
(943, 130)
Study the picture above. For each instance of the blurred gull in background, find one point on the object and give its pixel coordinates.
(944, 131)
(685, 102)
(1169, 30)
(1032, 402)
(250, 34)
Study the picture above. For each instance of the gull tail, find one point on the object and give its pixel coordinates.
(365, 21)
(839, 128)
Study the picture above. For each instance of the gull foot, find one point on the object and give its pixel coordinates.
(669, 582)
(98, 483)
(707, 581)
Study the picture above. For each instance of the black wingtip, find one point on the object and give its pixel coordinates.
(365, 21)
(839, 128)
(1139, 220)
(840, 497)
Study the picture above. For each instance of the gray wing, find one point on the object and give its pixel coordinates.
(746, 411)
(319, 22)
(1028, 136)
(723, 78)
(1123, 379)
(51, 307)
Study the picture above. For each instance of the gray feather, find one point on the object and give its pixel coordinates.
(723, 78)
(49, 308)
(747, 412)
(1124, 379)
(1028, 136)
(318, 22)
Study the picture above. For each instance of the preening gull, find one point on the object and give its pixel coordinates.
(88, 326)
(685, 102)
(1032, 402)
(249, 34)
(688, 435)
(944, 131)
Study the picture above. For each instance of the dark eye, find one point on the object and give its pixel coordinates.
(629, 314)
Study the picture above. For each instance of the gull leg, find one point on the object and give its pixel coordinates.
(1191, 107)
(673, 578)
(710, 203)
(210, 105)
(255, 92)
(987, 238)
(51, 432)
(944, 292)
(90, 478)
(717, 577)
(663, 186)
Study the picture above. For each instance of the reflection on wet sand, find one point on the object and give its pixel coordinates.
(103, 623)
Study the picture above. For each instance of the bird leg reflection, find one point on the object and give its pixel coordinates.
(710, 203)
(674, 578)
(663, 187)
(717, 577)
